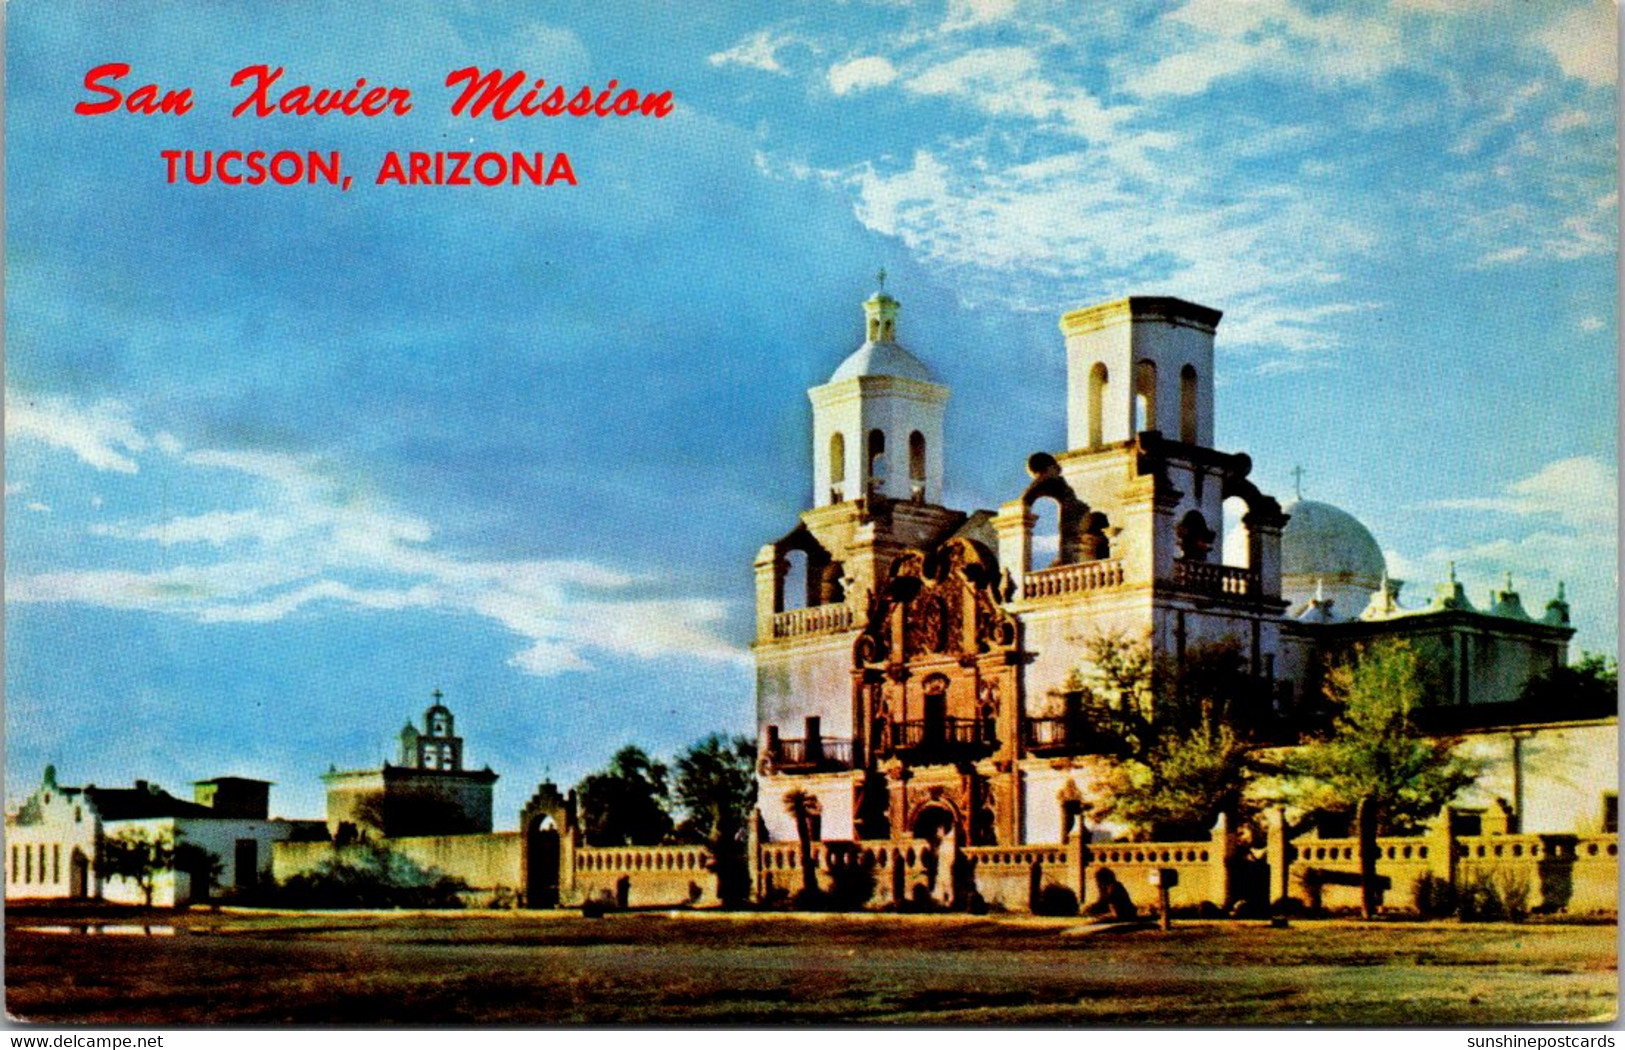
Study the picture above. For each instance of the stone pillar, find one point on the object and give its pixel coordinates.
(1077, 861)
(1014, 526)
(1275, 855)
(1219, 862)
(753, 856)
(1264, 553)
(769, 590)
(1441, 845)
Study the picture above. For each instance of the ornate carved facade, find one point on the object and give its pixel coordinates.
(913, 660)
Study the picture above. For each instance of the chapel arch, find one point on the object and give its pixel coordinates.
(803, 577)
(1098, 379)
(1058, 535)
(1145, 396)
(916, 456)
(876, 458)
(837, 458)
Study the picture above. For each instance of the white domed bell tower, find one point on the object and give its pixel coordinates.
(877, 423)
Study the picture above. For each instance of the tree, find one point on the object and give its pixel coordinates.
(1181, 730)
(1590, 684)
(203, 868)
(801, 806)
(139, 856)
(626, 804)
(1373, 765)
(715, 784)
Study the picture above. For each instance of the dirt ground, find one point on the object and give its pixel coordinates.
(533, 969)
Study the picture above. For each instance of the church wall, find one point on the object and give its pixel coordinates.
(486, 862)
(833, 792)
(811, 678)
(1056, 637)
(1042, 782)
(47, 871)
(1565, 770)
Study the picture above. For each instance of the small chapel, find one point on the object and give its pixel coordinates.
(916, 663)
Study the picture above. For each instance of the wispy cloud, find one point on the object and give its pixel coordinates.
(758, 51)
(313, 539)
(101, 435)
(861, 74)
(1568, 511)
(1585, 42)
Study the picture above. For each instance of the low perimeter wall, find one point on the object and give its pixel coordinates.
(1569, 874)
(641, 876)
(488, 863)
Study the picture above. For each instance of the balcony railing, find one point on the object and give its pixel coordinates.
(943, 737)
(1200, 577)
(815, 619)
(1073, 579)
(1065, 734)
(817, 753)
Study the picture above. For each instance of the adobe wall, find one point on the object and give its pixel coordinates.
(486, 862)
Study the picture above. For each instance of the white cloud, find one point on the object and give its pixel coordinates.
(100, 435)
(1585, 42)
(1505, 255)
(1581, 492)
(39, 508)
(1592, 323)
(1007, 81)
(1226, 38)
(1570, 511)
(757, 51)
(861, 74)
(14, 487)
(1019, 232)
(313, 539)
(968, 14)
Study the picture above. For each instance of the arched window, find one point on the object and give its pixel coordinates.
(1046, 540)
(1194, 537)
(837, 458)
(916, 456)
(1097, 399)
(874, 329)
(1145, 396)
(877, 456)
(795, 581)
(1235, 534)
(1187, 405)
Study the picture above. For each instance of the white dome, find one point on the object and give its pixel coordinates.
(1322, 541)
(882, 359)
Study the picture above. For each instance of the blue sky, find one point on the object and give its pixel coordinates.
(280, 461)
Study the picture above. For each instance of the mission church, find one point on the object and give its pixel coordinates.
(918, 665)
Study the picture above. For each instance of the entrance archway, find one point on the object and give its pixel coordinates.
(542, 864)
(78, 875)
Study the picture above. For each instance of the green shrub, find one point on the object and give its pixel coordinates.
(1436, 897)
(368, 876)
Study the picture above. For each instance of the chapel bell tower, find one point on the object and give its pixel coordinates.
(1136, 364)
(877, 423)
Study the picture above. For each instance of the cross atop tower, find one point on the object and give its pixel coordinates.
(438, 695)
(1297, 481)
(881, 277)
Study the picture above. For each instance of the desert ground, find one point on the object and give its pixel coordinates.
(202, 967)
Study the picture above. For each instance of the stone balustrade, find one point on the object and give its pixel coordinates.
(1200, 577)
(815, 619)
(1065, 580)
(629, 859)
